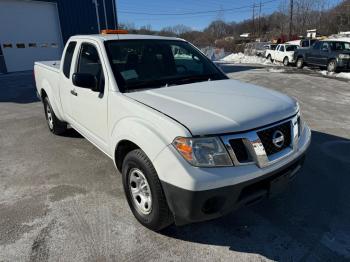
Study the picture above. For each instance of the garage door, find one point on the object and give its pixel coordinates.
(29, 31)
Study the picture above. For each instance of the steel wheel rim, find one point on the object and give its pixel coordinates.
(49, 116)
(140, 191)
(285, 61)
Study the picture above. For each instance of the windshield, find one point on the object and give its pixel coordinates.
(340, 46)
(141, 64)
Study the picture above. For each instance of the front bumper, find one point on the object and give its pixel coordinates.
(343, 64)
(194, 206)
(196, 194)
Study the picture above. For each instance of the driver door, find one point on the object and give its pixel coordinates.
(89, 108)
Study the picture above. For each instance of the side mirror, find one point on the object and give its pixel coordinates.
(85, 81)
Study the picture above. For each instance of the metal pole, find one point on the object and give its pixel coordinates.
(104, 9)
(97, 15)
(259, 25)
(253, 18)
(115, 12)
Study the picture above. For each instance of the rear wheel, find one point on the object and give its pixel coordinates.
(144, 191)
(286, 61)
(55, 125)
(269, 58)
(332, 66)
(300, 63)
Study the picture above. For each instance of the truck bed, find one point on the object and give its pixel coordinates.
(51, 65)
(47, 75)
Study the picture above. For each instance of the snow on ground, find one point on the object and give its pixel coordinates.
(276, 70)
(240, 58)
(337, 75)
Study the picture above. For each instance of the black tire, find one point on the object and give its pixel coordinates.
(269, 58)
(286, 61)
(300, 63)
(159, 216)
(55, 125)
(332, 66)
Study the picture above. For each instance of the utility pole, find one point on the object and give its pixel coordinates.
(259, 23)
(254, 18)
(97, 16)
(115, 13)
(291, 20)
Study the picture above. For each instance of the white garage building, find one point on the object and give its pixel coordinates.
(37, 30)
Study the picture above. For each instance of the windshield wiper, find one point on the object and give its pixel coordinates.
(145, 85)
(190, 79)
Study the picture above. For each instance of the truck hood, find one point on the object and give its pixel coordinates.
(217, 107)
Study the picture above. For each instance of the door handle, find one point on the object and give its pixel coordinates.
(73, 92)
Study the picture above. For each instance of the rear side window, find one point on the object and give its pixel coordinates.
(68, 58)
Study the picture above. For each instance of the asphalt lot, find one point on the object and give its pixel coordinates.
(62, 199)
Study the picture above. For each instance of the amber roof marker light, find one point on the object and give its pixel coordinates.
(114, 31)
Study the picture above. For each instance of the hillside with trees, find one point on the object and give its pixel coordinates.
(306, 15)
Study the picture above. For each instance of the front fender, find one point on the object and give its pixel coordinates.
(141, 133)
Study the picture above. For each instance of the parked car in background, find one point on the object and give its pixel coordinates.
(269, 47)
(333, 54)
(255, 48)
(190, 143)
(283, 53)
(302, 43)
(306, 43)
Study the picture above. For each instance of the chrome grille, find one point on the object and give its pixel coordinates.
(257, 147)
(266, 137)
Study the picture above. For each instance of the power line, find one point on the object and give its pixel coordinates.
(193, 13)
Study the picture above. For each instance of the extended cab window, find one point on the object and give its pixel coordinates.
(68, 58)
(142, 64)
(90, 63)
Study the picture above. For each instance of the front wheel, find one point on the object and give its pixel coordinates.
(144, 191)
(332, 66)
(269, 58)
(55, 125)
(286, 61)
(300, 63)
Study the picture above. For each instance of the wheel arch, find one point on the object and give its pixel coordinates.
(124, 147)
(47, 91)
(134, 133)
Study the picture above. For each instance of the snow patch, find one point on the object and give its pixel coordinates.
(345, 75)
(276, 70)
(240, 58)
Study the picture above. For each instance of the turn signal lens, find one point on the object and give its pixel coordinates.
(183, 145)
(203, 152)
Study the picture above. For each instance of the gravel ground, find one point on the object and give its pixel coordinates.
(62, 199)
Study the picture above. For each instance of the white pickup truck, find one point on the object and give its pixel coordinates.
(190, 143)
(283, 53)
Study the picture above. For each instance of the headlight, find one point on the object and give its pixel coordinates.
(203, 152)
(344, 56)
